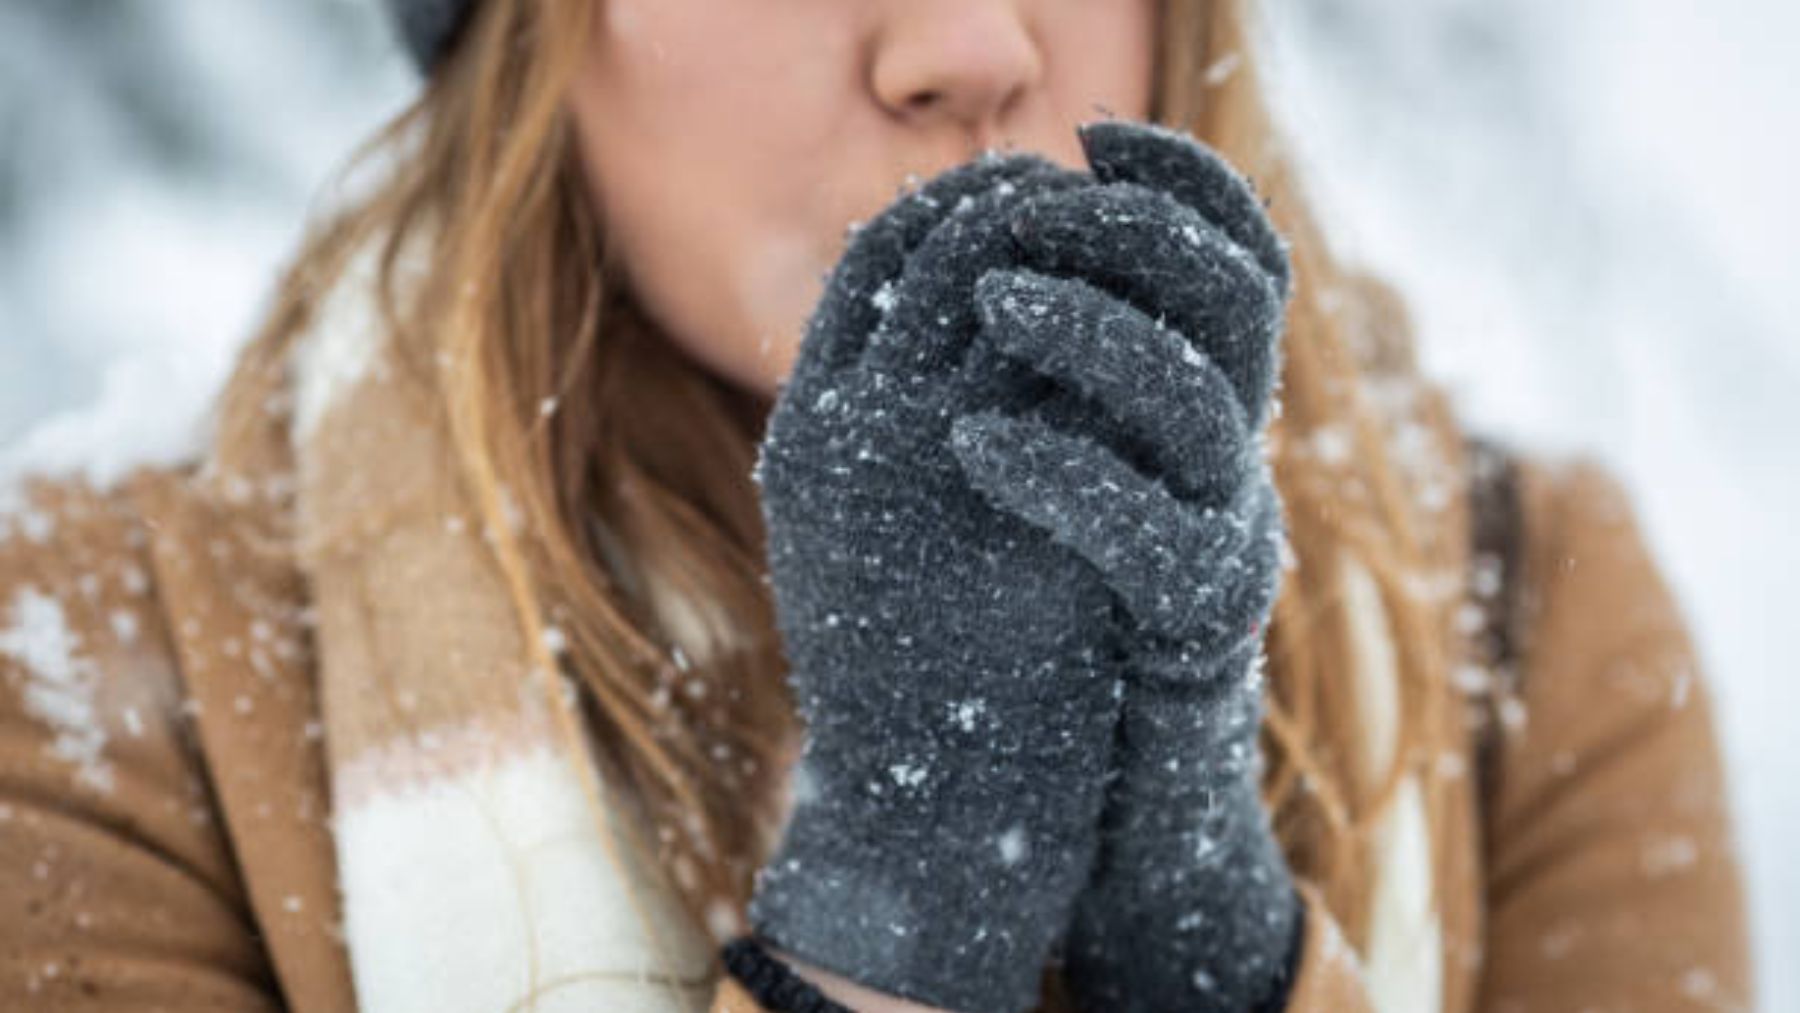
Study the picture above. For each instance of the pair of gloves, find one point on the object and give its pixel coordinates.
(1024, 541)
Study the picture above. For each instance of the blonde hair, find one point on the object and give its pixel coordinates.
(642, 539)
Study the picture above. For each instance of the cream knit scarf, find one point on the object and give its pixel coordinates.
(474, 874)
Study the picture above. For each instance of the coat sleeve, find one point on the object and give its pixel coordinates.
(118, 890)
(1612, 877)
(733, 997)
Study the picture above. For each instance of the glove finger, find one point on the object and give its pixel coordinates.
(1161, 158)
(1242, 544)
(928, 312)
(1174, 404)
(1182, 572)
(1145, 247)
(848, 310)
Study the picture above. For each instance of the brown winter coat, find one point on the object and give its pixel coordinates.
(175, 704)
(164, 841)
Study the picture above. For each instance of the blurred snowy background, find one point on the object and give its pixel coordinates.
(1591, 206)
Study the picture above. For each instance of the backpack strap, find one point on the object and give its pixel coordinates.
(1496, 549)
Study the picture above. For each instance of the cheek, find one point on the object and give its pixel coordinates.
(1104, 55)
(778, 282)
(732, 291)
(706, 195)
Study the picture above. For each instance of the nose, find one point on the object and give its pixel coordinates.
(959, 64)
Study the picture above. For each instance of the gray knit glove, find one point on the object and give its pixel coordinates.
(948, 659)
(1156, 300)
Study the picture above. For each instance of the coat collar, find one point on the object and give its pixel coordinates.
(238, 622)
(366, 700)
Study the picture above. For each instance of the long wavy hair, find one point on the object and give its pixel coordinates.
(642, 539)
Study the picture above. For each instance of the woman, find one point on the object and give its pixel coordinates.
(548, 625)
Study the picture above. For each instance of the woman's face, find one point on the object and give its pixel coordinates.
(731, 144)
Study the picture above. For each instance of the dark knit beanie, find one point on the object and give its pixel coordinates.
(428, 27)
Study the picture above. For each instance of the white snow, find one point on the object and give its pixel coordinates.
(555, 641)
(885, 298)
(342, 347)
(158, 162)
(59, 682)
(1590, 211)
(1013, 845)
(907, 775)
(965, 712)
(1664, 855)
